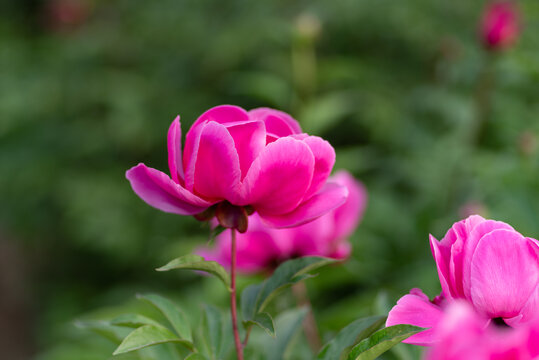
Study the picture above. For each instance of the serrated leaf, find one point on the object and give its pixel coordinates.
(132, 320)
(351, 334)
(287, 325)
(196, 262)
(381, 341)
(262, 320)
(149, 335)
(173, 314)
(255, 297)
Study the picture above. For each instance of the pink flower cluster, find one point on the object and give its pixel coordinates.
(485, 263)
(500, 24)
(262, 248)
(462, 335)
(237, 162)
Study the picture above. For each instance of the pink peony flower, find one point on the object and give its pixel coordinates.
(484, 262)
(500, 25)
(462, 334)
(236, 162)
(262, 248)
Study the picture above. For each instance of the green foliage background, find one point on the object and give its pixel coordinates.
(398, 88)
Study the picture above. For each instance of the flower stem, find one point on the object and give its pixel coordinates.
(233, 308)
(309, 324)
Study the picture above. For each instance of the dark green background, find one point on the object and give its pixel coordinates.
(416, 109)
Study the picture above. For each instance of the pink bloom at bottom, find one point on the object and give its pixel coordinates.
(462, 335)
(262, 248)
(485, 263)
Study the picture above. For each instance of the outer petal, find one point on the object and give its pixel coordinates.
(475, 235)
(461, 335)
(504, 273)
(324, 159)
(249, 139)
(442, 266)
(416, 309)
(278, 123)
(174, 143)
(222, 114)
(329, 198)
(278, 179)
(159, 191)
(217, 171)
(348, 215)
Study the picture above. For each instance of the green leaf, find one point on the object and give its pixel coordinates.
(264, 321)
(381, 341)
(104, 329)
(287, 324)
(255, 297)
(196, 262)
(149, 335)
(351, 334)
(214, 332)
(173, 314)
(196, 356)
(132, 320)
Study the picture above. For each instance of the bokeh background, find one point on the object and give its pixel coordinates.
(433, 124)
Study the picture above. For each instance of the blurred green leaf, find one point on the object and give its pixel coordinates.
(215, 333)
(262, 320)
(381, 341)
(196, 262)
(255, 297)
(287, 325)
(132, 320)
(196, 356)
(174, 315)
(149, 335)
(354, 332)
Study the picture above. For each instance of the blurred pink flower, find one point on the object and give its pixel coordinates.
(462, 334)
(235, 162)
(500, 24)
(485, 262)
(66, 14)
(262, 248)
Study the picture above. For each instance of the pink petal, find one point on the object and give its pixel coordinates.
(324, 159)
(475, 235)
(249, 139)
(416, 309)
(174, 143)
(222, 114)
(278, 123)
(441, 265)
(330, 197)
(279, 177)
(348, 215)
(192, 143)
(161, 192)
(217, 171)
(504, 273)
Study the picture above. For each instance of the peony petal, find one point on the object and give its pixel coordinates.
(222, 114)
(329, 198)
(504, 273)
(217, 171)
(348, 215)
(249, 139)
(416, 309)
(474, 236)
(441, 265)
(278, 123)
(161, 192)
(192, 143)
(324, 159)
(174, 143)
(279, 177)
